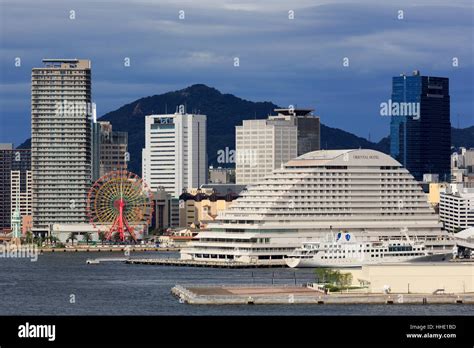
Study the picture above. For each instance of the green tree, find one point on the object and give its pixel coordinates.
(334, 277)
(116, 237)
(72, 237)
(102, 237)
(87, 237)
(38, 240)
(29, 237)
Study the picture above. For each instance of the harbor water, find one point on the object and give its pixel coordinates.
(64, 284)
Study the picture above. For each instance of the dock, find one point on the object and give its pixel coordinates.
(104, 249)
(290, 295)
(106, 259)
(194, 263)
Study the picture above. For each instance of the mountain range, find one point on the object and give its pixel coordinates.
(224, 112)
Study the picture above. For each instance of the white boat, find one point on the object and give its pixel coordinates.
(344, 251)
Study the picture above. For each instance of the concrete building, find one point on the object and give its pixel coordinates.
(61, 156)
(309, 128)
(199, 206)
(110, 149)
(265, 145)
(166, 211)
(462, 166)
(174, 156)
(221, 175)
(21, 193)
(315, 195)
(456, 208)
(416, 278)
(15, 166)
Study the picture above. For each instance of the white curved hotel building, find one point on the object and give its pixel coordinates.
(365, 192)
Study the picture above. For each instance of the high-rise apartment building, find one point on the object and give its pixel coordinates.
(421, 140)
(174, 156)
(15, 165)
(109, 149)
(21, 192)
(61, 153)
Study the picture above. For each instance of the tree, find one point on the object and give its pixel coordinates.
(72, 237)
(29, 237)
(87, 237)
(102, 237)
(335, 277)
(116, 237)
(51, 239)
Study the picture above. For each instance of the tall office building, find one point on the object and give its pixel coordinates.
(60, 142)
(15, 165)
(109, 149)
(422, 142)
(309, 128)
(21, 192)
(263, 146)
(174, 156)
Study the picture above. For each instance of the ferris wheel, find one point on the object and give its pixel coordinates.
(119, 203)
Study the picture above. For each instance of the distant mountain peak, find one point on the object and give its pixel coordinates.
(224, 112)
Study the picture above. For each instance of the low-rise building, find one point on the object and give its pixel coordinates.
(456, 208)
(421, 278)
(199, 206)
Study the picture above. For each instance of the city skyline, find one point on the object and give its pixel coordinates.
(384, 46)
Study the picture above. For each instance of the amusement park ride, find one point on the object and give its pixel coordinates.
(120, 203)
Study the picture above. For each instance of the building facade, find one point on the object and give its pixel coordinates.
(265, 145)
(421, 142)
(365, 192)
(61, 155)
(309, 128)
(110, 149)
(462, 166)
(175, 156)
(221, 175)
(166, 211)
(456, 208)
(21, 193)
(15, 180)
(199, 206)
(262, 146)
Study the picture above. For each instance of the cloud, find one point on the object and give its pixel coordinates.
(287, 61)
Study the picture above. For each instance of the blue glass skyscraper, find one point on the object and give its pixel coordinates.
(422, 142)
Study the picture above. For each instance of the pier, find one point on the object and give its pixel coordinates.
(291, 295)
(106, 259)
(121, 248)
(194, 263)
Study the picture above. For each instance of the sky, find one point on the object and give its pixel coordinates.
(289, 52)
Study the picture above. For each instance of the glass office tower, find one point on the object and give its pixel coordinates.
(422, 143)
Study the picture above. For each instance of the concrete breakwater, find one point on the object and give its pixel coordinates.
(265, 294)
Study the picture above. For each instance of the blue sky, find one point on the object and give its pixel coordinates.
(286, 61)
